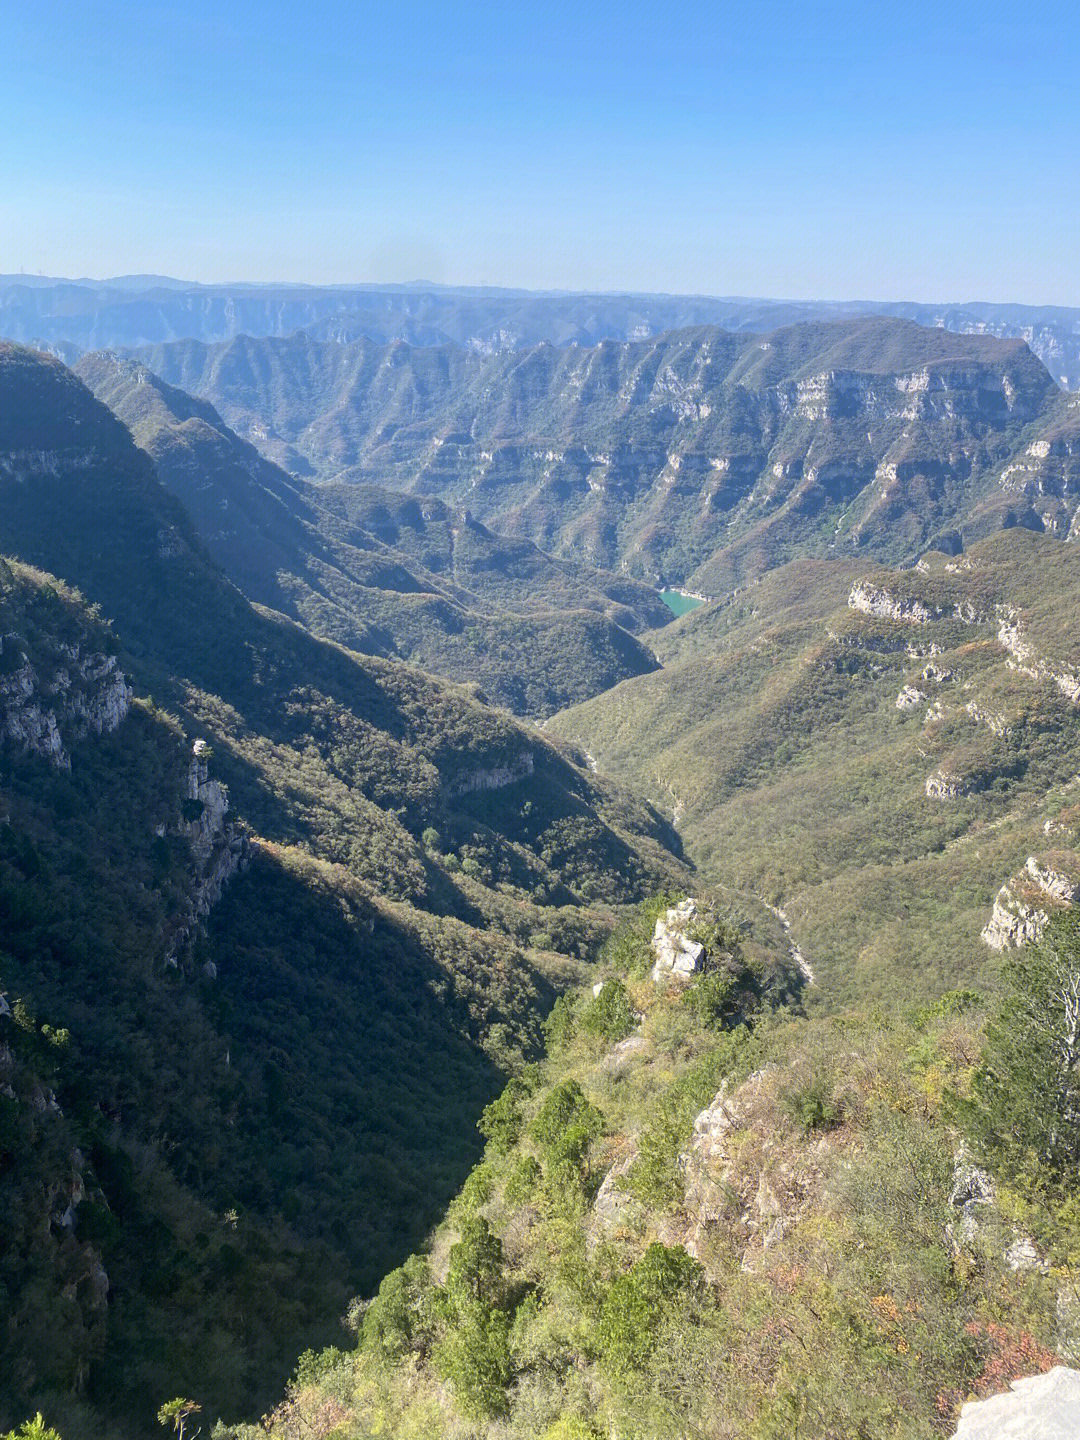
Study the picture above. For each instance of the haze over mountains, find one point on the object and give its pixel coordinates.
(79, 315)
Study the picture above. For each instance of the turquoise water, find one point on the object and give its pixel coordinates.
(678, 603)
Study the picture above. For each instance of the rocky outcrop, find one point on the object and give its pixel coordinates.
(944, 785)
(1026, 901)
(883, 604)
(493, 777)
(1024, 658)
(909, 698)
(677, 954)
(972, 1192)
(1038, 1407)
(994, 721)
(745, 1183)
(43, 709)
(218, 849)
(614, 1209)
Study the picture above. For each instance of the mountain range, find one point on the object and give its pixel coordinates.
(80, 315)
(384, 573)
(699, 459)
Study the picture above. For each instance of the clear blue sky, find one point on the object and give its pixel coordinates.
(916, 150)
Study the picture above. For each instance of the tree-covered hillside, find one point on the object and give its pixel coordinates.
(248, 1042)
(385, 574)
(704, 1216)
(875, 751)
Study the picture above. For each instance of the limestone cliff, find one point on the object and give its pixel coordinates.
(219, 849)
(64, 694)
(1025, 903)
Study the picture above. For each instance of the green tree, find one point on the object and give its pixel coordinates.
(1024, 1113)
(475, 1270)
(610, 1014)
(501, 1121)
(34, 1429)
(178, 1413)
(401, 1317)
(475, 1358)
(628, 1324)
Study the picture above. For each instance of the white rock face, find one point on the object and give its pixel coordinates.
(84, 694)
(1026, 901)
(877, 601)
(208, 829)
(909, 697)
(996, 723)
(676, 954)
(1039, 1407)
(614, 1208)
(1024, 658)
(942, 786)
(972, 1190)
(218, 849)
(745, 1183)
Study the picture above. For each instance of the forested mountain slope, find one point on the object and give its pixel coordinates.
(382, 574)
(292, 966)
(875, 751)
(698, 1217)
(700, 458)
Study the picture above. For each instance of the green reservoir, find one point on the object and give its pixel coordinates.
(678, 602)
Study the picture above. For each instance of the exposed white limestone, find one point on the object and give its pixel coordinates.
(1026, 901)
(1038, 1407)
(676, 953)
(79, 694)
(909, 698)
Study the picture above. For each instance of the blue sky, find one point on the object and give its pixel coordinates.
(833, 150)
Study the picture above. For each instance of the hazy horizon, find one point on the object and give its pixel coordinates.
(420, 283)
(834, 152)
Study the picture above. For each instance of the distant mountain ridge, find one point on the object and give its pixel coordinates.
(79, 315)
(699, 458)
(383, 573)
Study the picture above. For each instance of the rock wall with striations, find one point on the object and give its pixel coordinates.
(70, 694)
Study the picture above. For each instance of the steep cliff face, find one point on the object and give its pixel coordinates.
(64, 696)
(655, 455)
(219, 849)
(1024, 904)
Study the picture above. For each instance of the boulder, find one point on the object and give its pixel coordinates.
(676, 954)
(1038, 1407)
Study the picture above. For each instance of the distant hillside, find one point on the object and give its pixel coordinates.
(702, 458)
(874, 751)
(291, 968)
(147, 310)
(384, 574)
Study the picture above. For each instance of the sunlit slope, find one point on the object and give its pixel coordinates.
(775, 737)
(698, 458)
